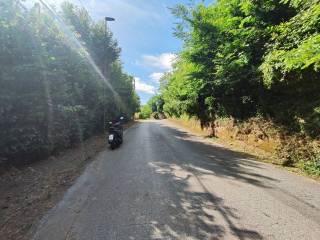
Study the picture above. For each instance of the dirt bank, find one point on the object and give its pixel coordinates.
(265, 140)
(27, 193)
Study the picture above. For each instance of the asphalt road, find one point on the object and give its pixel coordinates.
(165, 183)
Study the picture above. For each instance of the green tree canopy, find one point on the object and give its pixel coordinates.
(244, 58)
(60, 78)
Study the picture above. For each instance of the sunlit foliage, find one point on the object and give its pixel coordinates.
(245, 58)
(153, 108)
(51, 95)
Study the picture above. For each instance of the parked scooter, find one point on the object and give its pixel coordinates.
(115, 138)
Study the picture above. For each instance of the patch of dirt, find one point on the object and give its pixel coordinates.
(26, 194)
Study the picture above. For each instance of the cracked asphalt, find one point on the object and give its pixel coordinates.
(165, 183)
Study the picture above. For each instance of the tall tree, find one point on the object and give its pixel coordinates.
(60, 77)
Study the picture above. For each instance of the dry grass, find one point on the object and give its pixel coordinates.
(256, 137)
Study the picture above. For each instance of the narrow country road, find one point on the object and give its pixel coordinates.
(165, 183)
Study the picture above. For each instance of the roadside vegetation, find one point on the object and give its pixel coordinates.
(60, 78)
(247, 64)
(153, 108)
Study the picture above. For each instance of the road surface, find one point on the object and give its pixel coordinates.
(165, 183)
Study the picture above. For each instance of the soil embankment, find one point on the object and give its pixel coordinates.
(265, 140)
(27, 193)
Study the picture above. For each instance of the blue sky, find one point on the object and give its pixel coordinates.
(144, 30)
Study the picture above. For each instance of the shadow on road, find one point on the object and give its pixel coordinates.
(221, 161)
(197, 213)
(168, 184)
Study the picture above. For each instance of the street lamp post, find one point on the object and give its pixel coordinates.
(109, 19)
(106, 20)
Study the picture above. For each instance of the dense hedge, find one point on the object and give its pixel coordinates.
(51, 93)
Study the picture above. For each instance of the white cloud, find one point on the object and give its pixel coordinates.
(156, 76)
(143, 87)
(163, 61)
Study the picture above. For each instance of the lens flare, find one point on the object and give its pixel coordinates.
(75, 44)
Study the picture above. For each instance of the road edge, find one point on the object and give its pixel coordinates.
(266, 159)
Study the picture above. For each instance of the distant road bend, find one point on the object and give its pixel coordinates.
(164, 183)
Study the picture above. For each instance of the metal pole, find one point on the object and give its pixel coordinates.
(104, 89)
(104, 69)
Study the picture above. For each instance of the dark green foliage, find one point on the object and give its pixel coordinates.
(245, 58)
(51, 97)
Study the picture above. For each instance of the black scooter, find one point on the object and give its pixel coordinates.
(115, 137)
